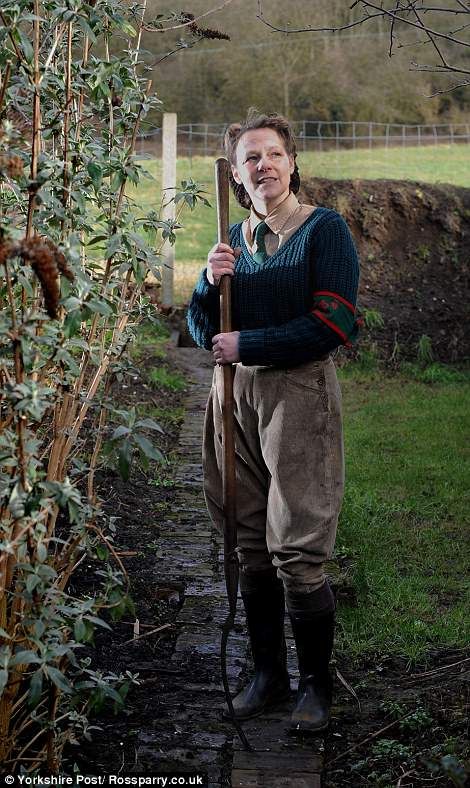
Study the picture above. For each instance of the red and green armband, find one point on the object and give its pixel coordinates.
(338, 314)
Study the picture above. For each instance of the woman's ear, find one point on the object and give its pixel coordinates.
(235, 174)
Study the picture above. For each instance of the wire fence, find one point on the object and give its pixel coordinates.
(206, 139)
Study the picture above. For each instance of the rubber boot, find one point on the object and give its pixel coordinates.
(263, 599)
(313, 619)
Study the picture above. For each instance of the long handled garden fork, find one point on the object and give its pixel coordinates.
(228, 443)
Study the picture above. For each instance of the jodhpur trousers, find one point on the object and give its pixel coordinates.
(289, 468)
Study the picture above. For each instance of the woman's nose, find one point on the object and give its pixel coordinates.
(263, 162)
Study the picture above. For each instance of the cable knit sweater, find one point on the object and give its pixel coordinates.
(296, 306)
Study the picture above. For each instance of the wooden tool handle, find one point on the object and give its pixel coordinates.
(228, 442)
(222, 195)
(228, 435)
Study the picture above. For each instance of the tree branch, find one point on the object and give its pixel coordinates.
(196, 18)
(439, 69)
(380, 12)
(386, 12)
(445, 10)
(171, 52)
(408, 13)
(59, 34)
(431, 39)
(5, 81)
(392, 26)
(310, 28)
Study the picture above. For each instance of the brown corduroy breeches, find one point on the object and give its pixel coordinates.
(289, 466)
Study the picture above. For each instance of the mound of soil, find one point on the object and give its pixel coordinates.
(414, 244)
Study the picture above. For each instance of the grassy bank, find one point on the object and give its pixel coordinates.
(432, 164)
(403, 535)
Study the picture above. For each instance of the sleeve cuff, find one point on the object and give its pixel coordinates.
(212, 289)
(251, 347)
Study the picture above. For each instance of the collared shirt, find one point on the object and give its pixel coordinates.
(283, 221)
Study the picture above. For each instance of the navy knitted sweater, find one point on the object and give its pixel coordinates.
(296, 306)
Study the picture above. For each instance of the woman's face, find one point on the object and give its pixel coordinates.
(264, 168)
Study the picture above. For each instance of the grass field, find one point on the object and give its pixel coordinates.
(432, 164)
(405, 520)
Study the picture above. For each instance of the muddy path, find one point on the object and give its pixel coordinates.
(172, 721)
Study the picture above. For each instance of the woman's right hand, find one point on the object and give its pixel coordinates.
(221, 260)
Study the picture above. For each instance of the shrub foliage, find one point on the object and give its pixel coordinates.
(74, 255)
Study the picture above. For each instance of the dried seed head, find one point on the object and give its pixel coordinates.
(12, 165)
(46, 260)
(42, 260)
(202, 32)
(15, 167)
(60, 259)
(207, 32)
(5, 251)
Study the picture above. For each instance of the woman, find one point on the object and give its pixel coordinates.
(295, 273)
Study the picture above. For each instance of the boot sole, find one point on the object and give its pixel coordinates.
(305, 728)
(271, 704)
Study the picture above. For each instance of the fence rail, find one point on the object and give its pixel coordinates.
(206, 139)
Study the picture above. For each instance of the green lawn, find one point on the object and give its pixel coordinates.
(430, 163)
(404, 530)
(443, 163)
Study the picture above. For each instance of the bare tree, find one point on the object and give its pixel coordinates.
(440, 28)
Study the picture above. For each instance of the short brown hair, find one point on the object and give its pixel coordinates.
(257, 120)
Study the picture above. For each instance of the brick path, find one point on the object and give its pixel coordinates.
(192, 551)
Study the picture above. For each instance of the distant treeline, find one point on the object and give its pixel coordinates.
(342, 76)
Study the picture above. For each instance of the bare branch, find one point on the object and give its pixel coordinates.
(458, 29)
(178, 48)
(147, 634)
(59, 34)
(400, 14)
(5, 81)
(196, 18)
(431, 39)
(425, 41)
(310, 28)
(385, 12)
(390, 51)
(445, 10)
(380, 12)
(368, 738)
(439, 69)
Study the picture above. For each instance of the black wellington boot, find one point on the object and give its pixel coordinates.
(263, 599)
(313, 631)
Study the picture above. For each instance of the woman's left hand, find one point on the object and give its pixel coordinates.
(225, 347)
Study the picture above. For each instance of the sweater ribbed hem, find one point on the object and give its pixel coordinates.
(252, 348)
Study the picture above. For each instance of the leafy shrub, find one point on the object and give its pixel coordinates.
(74, 255)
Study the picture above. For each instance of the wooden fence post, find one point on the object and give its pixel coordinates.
(168, 212)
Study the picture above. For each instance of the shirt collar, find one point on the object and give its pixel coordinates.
(278, 216)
